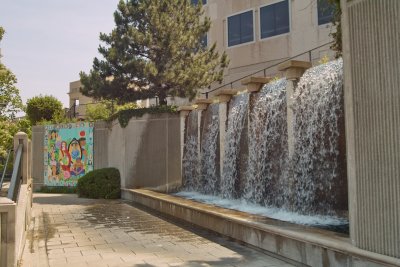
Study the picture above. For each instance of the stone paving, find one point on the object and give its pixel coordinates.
(69, 231)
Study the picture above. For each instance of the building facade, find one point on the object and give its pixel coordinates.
(257, 34)
(77, 101)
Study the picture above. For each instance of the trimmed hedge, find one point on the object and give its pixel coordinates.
(102, 183)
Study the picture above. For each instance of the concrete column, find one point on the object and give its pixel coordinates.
(22, 138)
(293, 70)
(38, 159)
(371, 40)
(223, 96)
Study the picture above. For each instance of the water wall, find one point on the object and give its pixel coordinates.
(235, 151)
(318, 162)
(267, 179)
(257, 167)
(209, 152)
(190, 159)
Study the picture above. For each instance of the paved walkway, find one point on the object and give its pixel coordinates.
(69, 231)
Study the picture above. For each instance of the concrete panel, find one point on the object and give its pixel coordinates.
(150, 163)
(116, 150)
(37, 157)
(174, 156)
(147, 152)
(372, 103)
(100, 147)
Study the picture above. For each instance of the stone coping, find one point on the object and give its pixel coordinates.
(294, 64)
(258, 80)
(225, 91)
(203, 101)
(301, 238)
(185, 108)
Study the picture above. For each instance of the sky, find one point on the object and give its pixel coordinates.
(48, 42)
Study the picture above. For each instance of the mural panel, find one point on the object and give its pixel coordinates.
(68, 153)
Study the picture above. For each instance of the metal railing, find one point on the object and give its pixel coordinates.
(16, 175)
(5, 167)
(266, 68)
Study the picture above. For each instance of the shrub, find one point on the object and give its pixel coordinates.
(102, 183)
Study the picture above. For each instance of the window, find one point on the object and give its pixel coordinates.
(274, 19)
(195, 2)
(240, 28)
(204, 41)
(325, 11)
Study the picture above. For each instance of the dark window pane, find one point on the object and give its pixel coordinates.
(325, 11)
(203, 41)
(246, 27)
(195, 2)
(234, 30)
(282, 17)
(274, 19)
(240, 28)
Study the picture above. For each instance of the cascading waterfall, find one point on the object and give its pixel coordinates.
(236, 121)
(258, 176)
(318, 112)
(209, 170)
(266, 182)
(190, 159)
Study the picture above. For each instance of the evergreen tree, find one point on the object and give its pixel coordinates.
(155, 49)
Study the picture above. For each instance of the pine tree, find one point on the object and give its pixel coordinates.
(155, 49)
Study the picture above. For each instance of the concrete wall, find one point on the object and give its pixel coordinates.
(372, 105)
(147, 152)
(304, 34)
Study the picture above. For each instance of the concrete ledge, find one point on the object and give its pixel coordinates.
(254, 84)
(306, 245)
(294, 69)
(202, 103)
(185, 108)
(224, 95)
(260, 80)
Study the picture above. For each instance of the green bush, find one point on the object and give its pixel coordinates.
(102, 183)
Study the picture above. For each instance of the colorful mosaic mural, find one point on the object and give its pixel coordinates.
(68, 153)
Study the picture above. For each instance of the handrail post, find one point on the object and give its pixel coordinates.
(22, 138)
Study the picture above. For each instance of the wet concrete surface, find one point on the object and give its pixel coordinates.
(70, 231)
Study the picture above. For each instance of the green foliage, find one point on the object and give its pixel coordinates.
(8, 128)
(57, 190)
(104, 110)
(337, 35)
(336, 21)
(10, 100)
(44, 108)
(154, 50)
(125, 115)
(1, 33)
(10, 104)
(102, 183)
(99, 111)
